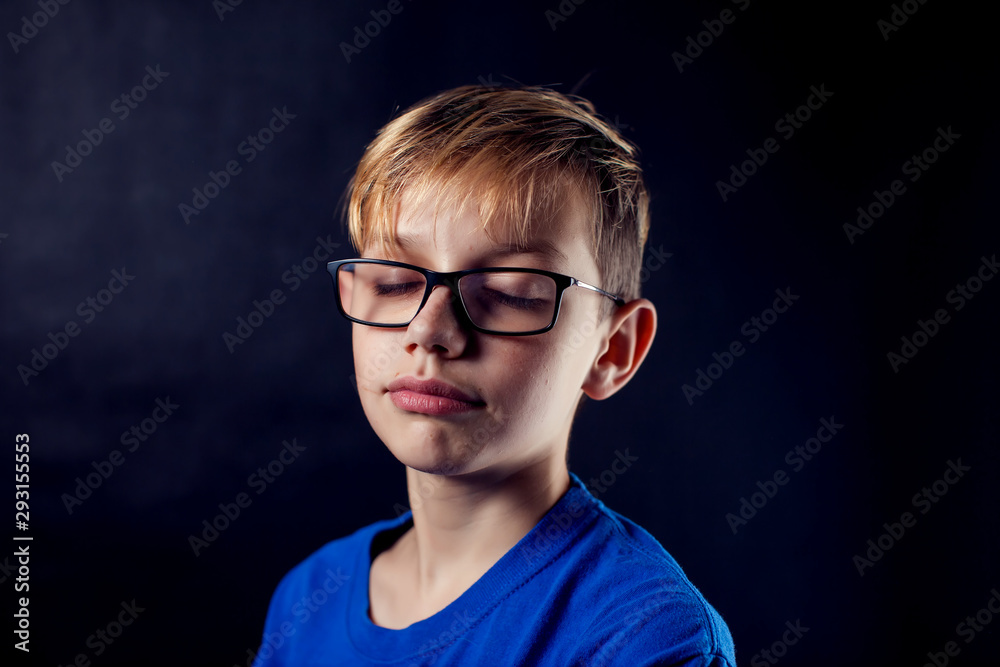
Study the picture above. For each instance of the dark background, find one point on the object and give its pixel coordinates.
(826, 357)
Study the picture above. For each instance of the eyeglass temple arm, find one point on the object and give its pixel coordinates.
(617, 299)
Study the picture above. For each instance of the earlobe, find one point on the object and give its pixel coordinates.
(633, 327)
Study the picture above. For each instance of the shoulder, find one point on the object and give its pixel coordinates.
(331, 566)
(645, 611)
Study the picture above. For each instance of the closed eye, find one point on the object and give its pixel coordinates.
(395, 289)
(511, 301)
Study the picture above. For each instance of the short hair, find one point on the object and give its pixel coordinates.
(515, 151)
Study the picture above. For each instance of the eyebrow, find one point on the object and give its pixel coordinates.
(541, 247)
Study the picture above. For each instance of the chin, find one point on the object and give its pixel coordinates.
(429, 462)
(423, 447)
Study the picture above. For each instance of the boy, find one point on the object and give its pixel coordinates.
(502, 233)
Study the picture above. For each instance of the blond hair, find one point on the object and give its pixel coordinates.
(515, 151)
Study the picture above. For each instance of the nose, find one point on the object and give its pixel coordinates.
(438, 327)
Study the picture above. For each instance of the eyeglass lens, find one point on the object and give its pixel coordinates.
(502, 301)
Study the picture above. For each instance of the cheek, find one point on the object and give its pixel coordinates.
(572, 357)
(578, 340)
(375, 355)
(529, 378)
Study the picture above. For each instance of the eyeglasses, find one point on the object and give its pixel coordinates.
(506, 301)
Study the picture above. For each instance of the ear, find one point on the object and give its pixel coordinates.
(629, 338)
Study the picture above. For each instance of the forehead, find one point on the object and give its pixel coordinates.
(458, 227)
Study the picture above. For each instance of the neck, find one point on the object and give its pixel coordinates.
(464, 524)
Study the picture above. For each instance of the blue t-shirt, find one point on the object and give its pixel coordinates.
(585, 586)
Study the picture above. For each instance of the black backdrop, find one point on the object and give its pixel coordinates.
(889, 91)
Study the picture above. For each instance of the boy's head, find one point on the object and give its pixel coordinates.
(480, 177)
(517, 153)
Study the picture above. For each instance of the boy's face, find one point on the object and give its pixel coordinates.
(524, 389)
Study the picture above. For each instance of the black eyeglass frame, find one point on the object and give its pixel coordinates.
(450, 280)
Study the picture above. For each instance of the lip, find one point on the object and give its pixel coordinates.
(430, 396)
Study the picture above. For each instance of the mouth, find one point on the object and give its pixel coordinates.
(431, 397)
